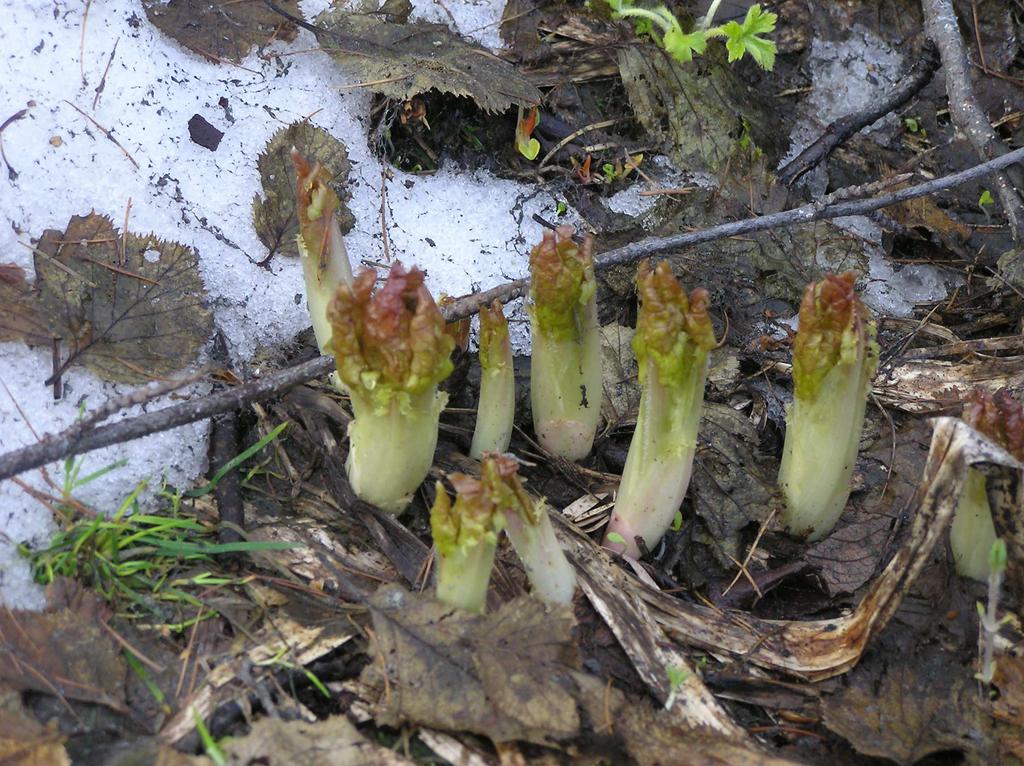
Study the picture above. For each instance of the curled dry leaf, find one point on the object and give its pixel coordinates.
(273, 214)
(221, 29)
(130, 309)
(404, 60)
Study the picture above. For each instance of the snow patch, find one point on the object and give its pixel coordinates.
(466, 231)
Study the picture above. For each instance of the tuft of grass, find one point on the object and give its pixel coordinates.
(155, 566)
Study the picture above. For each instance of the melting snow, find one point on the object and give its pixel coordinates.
(467, 231)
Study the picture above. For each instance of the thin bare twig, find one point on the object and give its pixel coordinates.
(107, 133)
(847, 125)
(61, 445)
(967, 115)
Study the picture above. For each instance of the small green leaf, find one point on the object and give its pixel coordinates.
(682, 46)
(615, 537)
(744, 38)
(911, 124)
(561, 208)
(677, 521)
(997, 556)
(529, 149)
(676, 676)
(986, 198)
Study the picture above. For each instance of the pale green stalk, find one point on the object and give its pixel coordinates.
(565, 389)
(495, 412)
(972, 534)
(391, 447)
(834, 360)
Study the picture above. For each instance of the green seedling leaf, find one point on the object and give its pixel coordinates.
(221, 29)
(128, 307)
(237, 461)
(986, 198)
(273, 214)
(403, 60)
(911, 124)
(681, 45)
(677, 521)
(745, 37)
(526, 146)
(615, 537)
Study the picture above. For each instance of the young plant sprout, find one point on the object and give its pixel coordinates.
(529, 528)
(1000, 417)
(834, 360)
(466, 535)
(496, 408)
(565, 367)
(672, 341)
(391, 351)
(465, 538)
(325, 262)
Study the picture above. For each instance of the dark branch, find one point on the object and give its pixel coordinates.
(69, 443)
(847, 125)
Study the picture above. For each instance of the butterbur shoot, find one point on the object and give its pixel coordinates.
(528, 525)
(672, 341)
(496, 408)
(465, 538)
(1000, 417)
(565, 367)
(834, 359)
(391, 350)
(325, 262)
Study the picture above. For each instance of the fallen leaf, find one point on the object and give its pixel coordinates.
(24, 741)
(64, 650)
(273, 214)
(404, 60)
(129, 314)
(904, 704)
(507, 675)
(332, 742)
(19, 317)
(849, 556)
(731, 486)
(221, 29)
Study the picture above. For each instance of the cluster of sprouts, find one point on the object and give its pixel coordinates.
(392, 348)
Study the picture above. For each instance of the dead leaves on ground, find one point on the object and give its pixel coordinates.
(404, 60)
(273, 214)
(333, 742)
(129, 308)
(65, 650)
(221, 29)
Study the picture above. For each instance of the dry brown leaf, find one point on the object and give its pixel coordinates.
(904, 710)
(130, 309)
(19, 315)
(508, 675)
(404, 60)
(64, 650)
(274, 213)
(331, 742)
(221, 29)
(23, 740)
(817, 649)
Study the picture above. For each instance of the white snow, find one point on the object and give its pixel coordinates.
(846, 77)
(467, 231)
